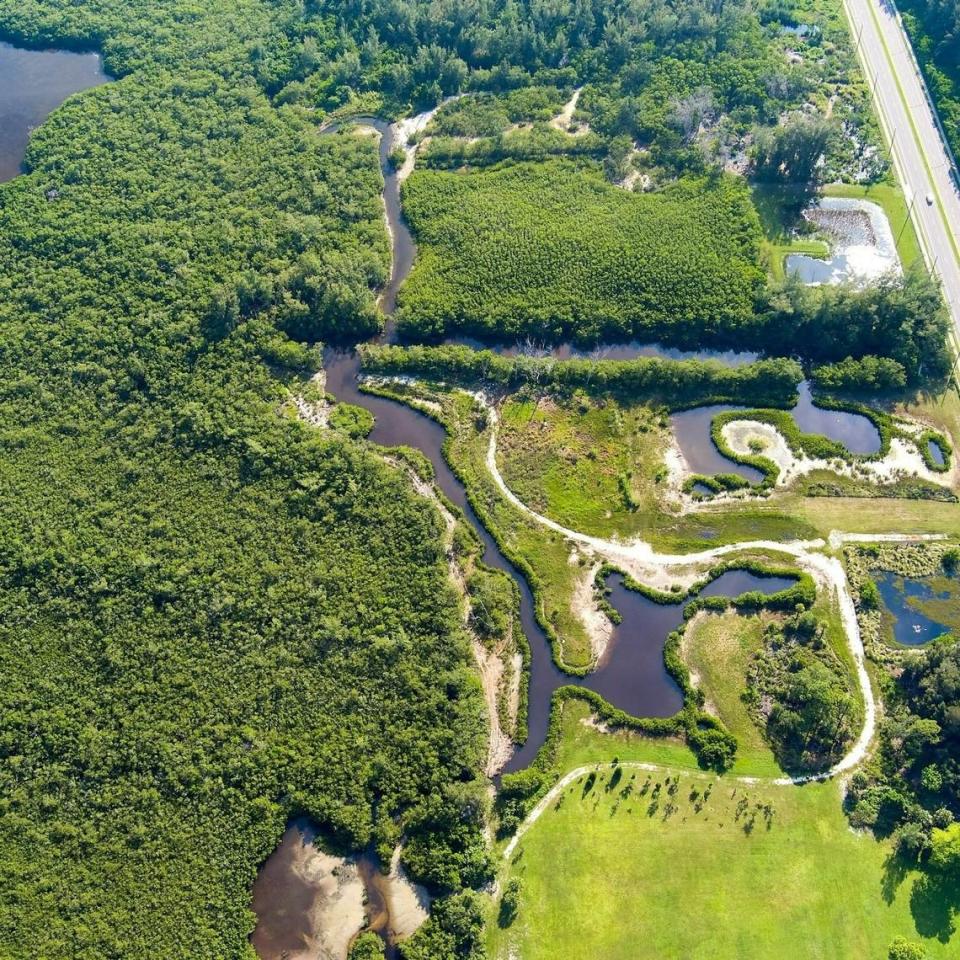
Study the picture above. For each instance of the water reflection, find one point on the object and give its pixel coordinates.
(692, 429)
(910, 627)
(32, 84)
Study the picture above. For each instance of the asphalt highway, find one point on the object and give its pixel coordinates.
(919, 153)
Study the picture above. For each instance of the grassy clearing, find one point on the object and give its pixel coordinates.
(826, 514)
(593, 465)
(603, 875)
(778, 239)
(718, 649)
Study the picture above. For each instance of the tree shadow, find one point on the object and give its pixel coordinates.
(895, 871)
(934, 901)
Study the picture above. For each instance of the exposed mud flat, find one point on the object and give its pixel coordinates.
(863, 246)
(311, 905)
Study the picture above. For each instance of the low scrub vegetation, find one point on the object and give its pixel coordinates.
(802, 696)
(555, 251)
(676, 383)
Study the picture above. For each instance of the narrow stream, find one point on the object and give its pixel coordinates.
(632, 675)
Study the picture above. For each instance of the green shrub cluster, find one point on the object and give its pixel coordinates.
(554, 251)
(676, 383)
(911, 790)
(539, 143)
(800, 695)
(867, 374)
(486, 115)
(922, 443)
(899, 318)
(715, 483)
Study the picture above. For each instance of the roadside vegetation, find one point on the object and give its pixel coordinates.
(934, 30)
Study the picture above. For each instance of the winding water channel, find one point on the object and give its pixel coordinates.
(632, 674)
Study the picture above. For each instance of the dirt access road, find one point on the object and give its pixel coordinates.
(919, 154)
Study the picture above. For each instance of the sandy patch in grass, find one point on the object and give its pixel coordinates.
(315, 412)
(408, 903)
(564, 118)
(584, 606)
(903, 460)
(490, 665)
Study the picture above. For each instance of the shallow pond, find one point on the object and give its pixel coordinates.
(692, 430)
(310, 904)
(910, 627)
(936, 454)
(855, 431)
(32, 84)
(862, 244)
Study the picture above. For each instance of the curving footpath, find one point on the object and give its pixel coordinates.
(646, 565)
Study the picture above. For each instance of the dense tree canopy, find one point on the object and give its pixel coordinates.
(212, 617)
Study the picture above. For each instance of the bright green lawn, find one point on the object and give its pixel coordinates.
(604, 876)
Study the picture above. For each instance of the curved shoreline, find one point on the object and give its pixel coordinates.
(638, 557)
(645, 565)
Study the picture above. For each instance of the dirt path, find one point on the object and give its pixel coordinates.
(534, 815)
(653, 569)
(564, 118)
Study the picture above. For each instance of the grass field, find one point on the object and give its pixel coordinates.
(718, 649)
(608, 875)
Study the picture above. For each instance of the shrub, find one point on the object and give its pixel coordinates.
(354, 421)
(679, 383)
(368, 946)
(869, 374)
(869, 595)
(902, 949)
(510, 902)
